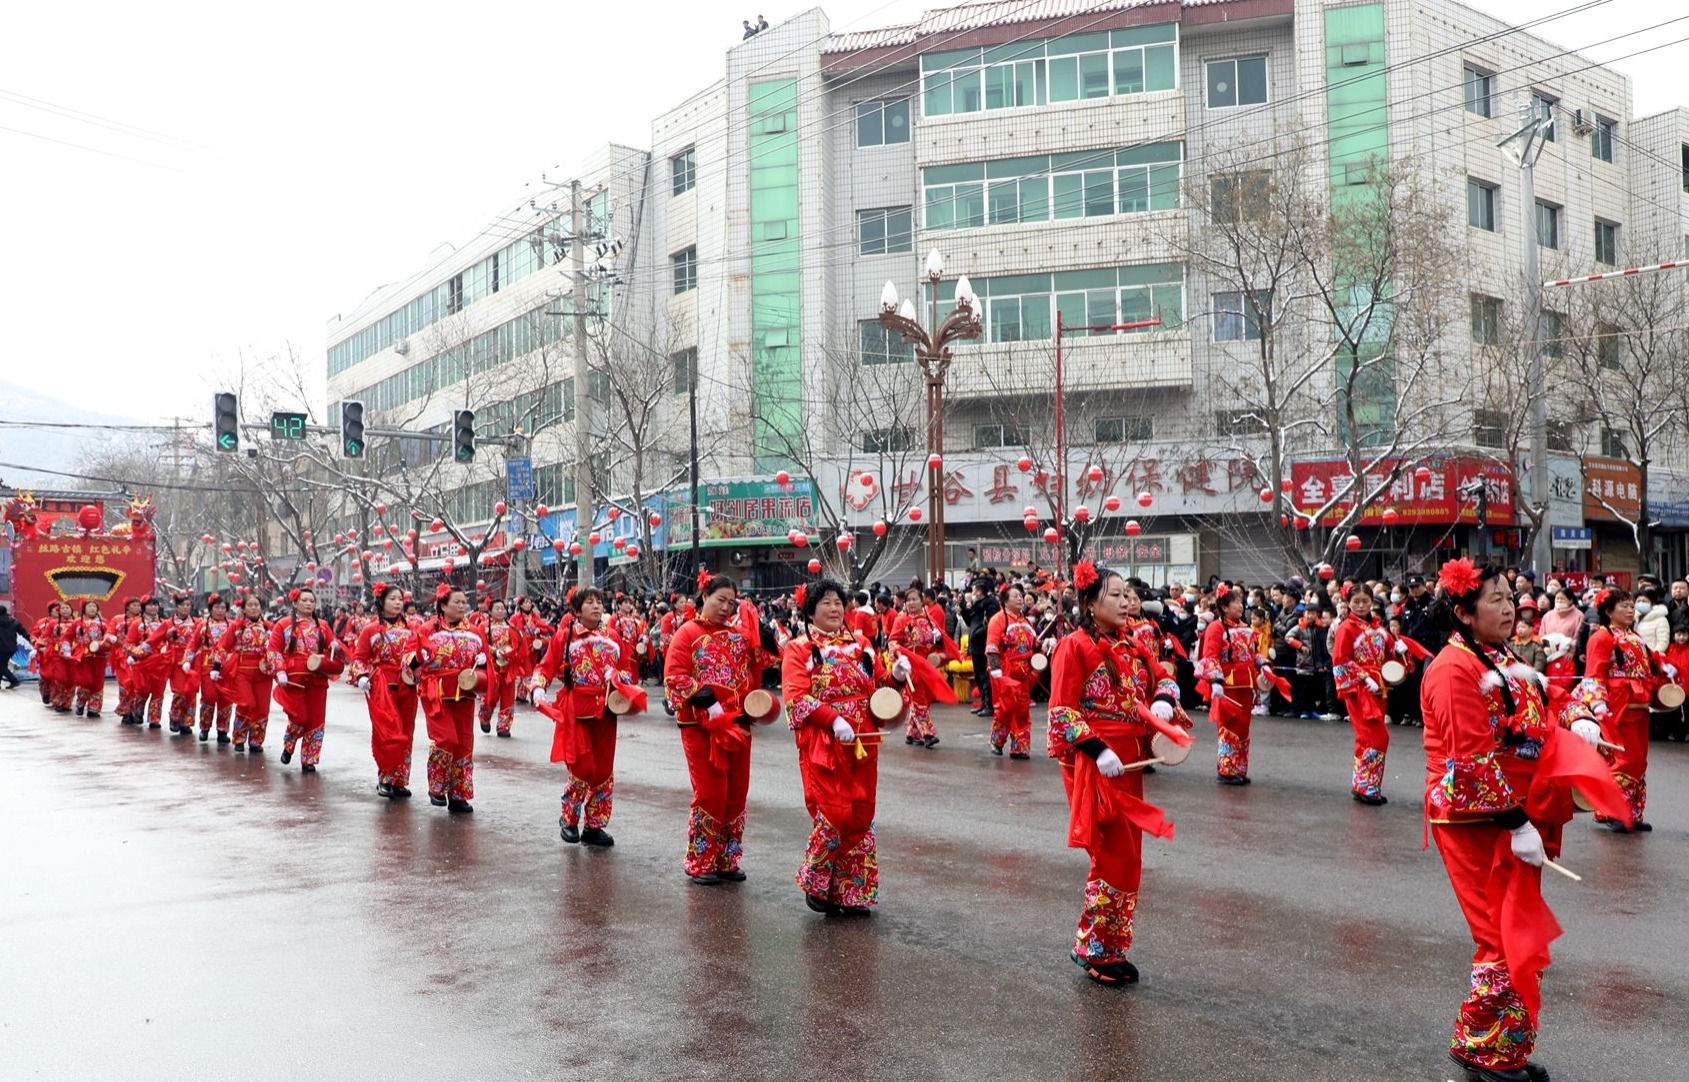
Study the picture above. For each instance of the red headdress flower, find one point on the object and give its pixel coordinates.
(1459, 577)
(799, 594)
(442, 591)
(1084, 575)
(569, 595)
(378, 588)
(212, 598)
(704, 577)
(293, 595)
(1601, 597)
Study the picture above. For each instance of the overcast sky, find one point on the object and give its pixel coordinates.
(236, 178)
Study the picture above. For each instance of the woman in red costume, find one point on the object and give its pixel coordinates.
(119, 657)
(1226, 667)
(503, 648)
(378, 669)
(1358, 653)
(914, 632)
(1620, 676)
(89, 642)
(444, 649)
(1010, 642)
(711, 666)
(216, 703)
(242, 666)
(585, 657)
(532, 635)
(826, 678)
(149, 665)
(304, 654)
(51, 666)
(179, 632)
(1494, 760)
(1106, 695)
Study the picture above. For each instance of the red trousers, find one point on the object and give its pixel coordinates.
(1230, 712)
(392, 736)
(841, 861)
(451, 748)
(1106, 922)
(590, 796)
(1011, 715)
(500, 697)
(1627, 726)
(715, 832)
(1372, 742)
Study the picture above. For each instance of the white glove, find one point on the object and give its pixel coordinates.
(1600, 710)
(281, 677)
(538, 697)
(1587, 731)
(1110, 764)
(1049, 646)
(1162, 709)
(1371, 684)
(1527, 845)
(901, 669)
(1401, 647)
(363, 684)
(842, 732)
(996, 674)
(480, 659)
(215, 675)
(187, 666)
(65, 649)
(716, 710)
(1670, 670)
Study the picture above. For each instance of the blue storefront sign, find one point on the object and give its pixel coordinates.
(561, 525)
(1672, 513)
(1572, 537)
(519, 479)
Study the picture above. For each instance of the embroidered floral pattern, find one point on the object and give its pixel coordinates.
(593, 803)
(1105, 927)
(1369, 773)
(705, 843)
(848, 877)
(399, 775)
(313, 741)
(1493, 1028)
(1233, 753)
(840, 680)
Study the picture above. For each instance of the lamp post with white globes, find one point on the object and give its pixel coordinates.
(932, 353)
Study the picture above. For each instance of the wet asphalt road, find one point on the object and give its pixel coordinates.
(171, 910)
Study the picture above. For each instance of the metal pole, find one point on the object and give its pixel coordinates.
(1061, 459)
(935, 440)
(692, 472)
(583, 400)
(1541, 554)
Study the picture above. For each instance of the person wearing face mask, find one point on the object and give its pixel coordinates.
(1010, 642)
(303, 654)
(1106, 693)
(1620, 674)
(1562, 618)
(1653, 622)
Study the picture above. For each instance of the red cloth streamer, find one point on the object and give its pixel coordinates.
(1278, 682)
(561, 711)
(383, 711)
(930, 678)
(634, 693)
(289, 698)
(1566, 762)
(1175, 733)
(1527, 924)
(1096, 799)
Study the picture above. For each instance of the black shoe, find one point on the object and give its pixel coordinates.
(486, 726)
(127, 720)
(79, 711)
(505, 733)
(66, 710)
(286, 756)
(1617, 827)
(931, 741)
(383, 789)
(597, 836)
(976, 711)
(153, 725)
(255, 749)
(570, 834)
(1019, 755)
(908, 740)
(459, 807)
(1108, 974)
(708, 879)
(204, 735)
(1232, 779)
(1491, 1074)
(401, 793)
(240, 748)
(818, 905)
(437, 801)
(1642, 828)
(854, 911)
(307, 768)
(988, 714)
(93, 715)
(1369, 800)
(730, 877)
(222, 738)
(996, 749)
(1535, 1073)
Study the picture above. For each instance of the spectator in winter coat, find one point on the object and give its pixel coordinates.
(10, 633)
(1563, 619)
(1652, 621)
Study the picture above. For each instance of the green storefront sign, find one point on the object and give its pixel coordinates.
(743, 513)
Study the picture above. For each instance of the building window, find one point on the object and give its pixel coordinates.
(1486, 320)
(454, 294)
(887, 440)
(1606, 242)
(1230, 196)
(1137, 429)
(685, 264)
(1480, 204)
(1683, 171)
(683, 169)
(1232, 83)
(882, 123)
(1228, 423)
(1083, 184)
(1543, 106)
(886, 230)
(1237, 319)
(1601, 140)
(1480, 87)
(876, 345)
(1489, 428)
(1612, 444)
(1553, 332)
(1559, 436)
(989, 436)
(1609, 346)
(1548, 225)
(685, 370)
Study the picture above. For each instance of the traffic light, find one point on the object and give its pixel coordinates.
(226, 422)
(352, 429)
(463, 435)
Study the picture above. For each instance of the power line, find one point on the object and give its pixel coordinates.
(122, 128)
(93, 150)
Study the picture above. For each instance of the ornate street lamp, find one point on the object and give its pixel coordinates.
(932, 353)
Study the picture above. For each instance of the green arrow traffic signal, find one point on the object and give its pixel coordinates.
(225, 420)
(227, 441)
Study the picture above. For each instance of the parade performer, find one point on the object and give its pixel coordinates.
(533, 633)
(503, 649)
(629, 632)
(51, 669)
(304, 655)
(826, 678)
(216, 701)
(1010, 643)
(149, 665)
(378, 669)
(87, 644)
(1497, 793)
(119, 656)
(585, 657)
(711, 665)
(179, 633)
(916, 636)
(1226, 667)
(441, 652)
(242, 665)
(1621, 675)
(1106, 694)
(1358, 652)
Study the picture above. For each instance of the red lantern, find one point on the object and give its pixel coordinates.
(387, 542)
(1024, 464)
(1051, 535)
(518, 544)
(1094, 474)
(844, 542)
(1301, 523)
(1266, 495)
(1030, 523)
(353, 534)
(462, 550)
(1111, 503)
(1284, 520)
(228, 547)
(409, 596)
(1041, 476)
(557, 545)
(1132, 528)
(619, 544)
(480, 584)
(233, 576)
(594, 537)
(935, 462)
(310, 565)
(1145, 499)
(368, 555)
(380, 509)
(1391, 516)
(613, 512)
(655, 520)
(339, 539)
(447, 567)
(1422, 475)
(209, 540)
(1352, 543)
(1327, 572)
(880, 528)
(499, 508)
(914, 514)
(574, 548)
(357, 576)
(800, 539)
(437, 525)
(1284, 485)
(814, 566)
(411, 534)
(867, 477)
(782, 478)
(633, 552)
(542, 510)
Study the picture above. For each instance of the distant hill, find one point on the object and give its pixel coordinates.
(36, 449)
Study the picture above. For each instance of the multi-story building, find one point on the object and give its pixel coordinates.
(1062, 154)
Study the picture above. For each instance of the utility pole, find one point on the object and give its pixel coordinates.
(583, 400)
(1526, 146)
(692, 470)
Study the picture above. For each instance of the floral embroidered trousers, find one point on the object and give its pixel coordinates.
(1105, 931)
(1011, 719)
(1231, 726)
(716, 827)
(451, 750)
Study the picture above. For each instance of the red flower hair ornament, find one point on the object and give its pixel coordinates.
(704, 577)
(800, 593)
(1084, 575)
(442, 591)
(1459, 577)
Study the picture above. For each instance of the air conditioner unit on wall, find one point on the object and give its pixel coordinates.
(402, 346)
(1583, 121)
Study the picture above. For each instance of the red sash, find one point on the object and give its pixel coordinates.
(1096, 800)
